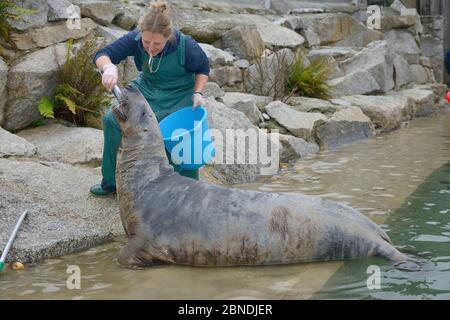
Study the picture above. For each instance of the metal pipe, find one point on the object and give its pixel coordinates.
(11, 239)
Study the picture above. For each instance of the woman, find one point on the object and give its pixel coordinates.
(174, 71)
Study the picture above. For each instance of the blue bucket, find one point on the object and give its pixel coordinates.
(187, 137)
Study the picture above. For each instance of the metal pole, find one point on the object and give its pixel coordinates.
(11, 239)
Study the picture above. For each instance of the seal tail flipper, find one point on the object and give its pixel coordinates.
(133, 256)
(387, 251)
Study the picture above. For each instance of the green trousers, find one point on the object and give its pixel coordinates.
(112, 136)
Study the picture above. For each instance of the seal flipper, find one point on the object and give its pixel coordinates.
(134, 256)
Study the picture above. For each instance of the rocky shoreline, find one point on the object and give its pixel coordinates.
(382, 80)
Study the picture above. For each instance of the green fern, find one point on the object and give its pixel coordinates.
(46, 107)
(79, 95)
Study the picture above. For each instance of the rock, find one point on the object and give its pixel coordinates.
(30, 79)
(231, 98)
(396, 22)
(386, 112)
(346, 126)
(3, 94)
(13, 145)
(128, 17)
(424, 101)
(337, 53)
(36, 19)
(295, 148)
(226, 76)
(403, 75)
(242, 64)
(420, 75)
(239, 166)
(378, 60)
(110, 34)
(244, 41)
(62, 217)
(249, 108)
(294, 23)
(418, 27)
(439, 90)
(305, 104)
(432, 49)
(217, 57)
(403, 43)
(280, 6)
(53, 34)
(358, 82)
(58, 143)
(265, 116)
(398, 6)
(102, 12)
(212, 89)
(339, 29)
(268, 76)
(276, 37)
(300, 124)
(59, 10)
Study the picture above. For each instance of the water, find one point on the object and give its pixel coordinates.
(400, 180)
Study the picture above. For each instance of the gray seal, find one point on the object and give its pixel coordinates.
(171, 219)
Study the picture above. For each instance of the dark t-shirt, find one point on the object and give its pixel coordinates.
(130, 45)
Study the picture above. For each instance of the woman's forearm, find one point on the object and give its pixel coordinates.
(102, 61)
(200, 82)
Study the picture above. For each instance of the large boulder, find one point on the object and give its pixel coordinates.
(217, 57)
(404, 43)
(337, 29)
(60, 10)
(424, 100)
(296, 148)
(378, 60)
(346, 126)
(227, 76)
(249, 108)
(300, 124)
(30, 79)
(59, 143)
(36, 19)
(231, 98)
(62, 217)
(13, 145)
(403, 75)
(268, 76)
(3, 96)
(244, 41)
(386, 112)
(276, 37)
(233, 165)
(102, 12)
(305, 104)
(357, 82)
(52, 34)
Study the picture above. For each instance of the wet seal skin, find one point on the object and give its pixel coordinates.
(171, 219)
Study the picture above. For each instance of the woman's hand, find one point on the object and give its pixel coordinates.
(110, 76)
(198, 100)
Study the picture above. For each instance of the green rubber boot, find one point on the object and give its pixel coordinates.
(98, 191)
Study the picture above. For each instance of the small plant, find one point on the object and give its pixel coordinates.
(309, 80)
(9, 10)
(79, 95)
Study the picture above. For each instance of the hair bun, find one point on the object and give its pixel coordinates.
(159, 6)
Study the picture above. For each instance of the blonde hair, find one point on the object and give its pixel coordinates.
(157, 19)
